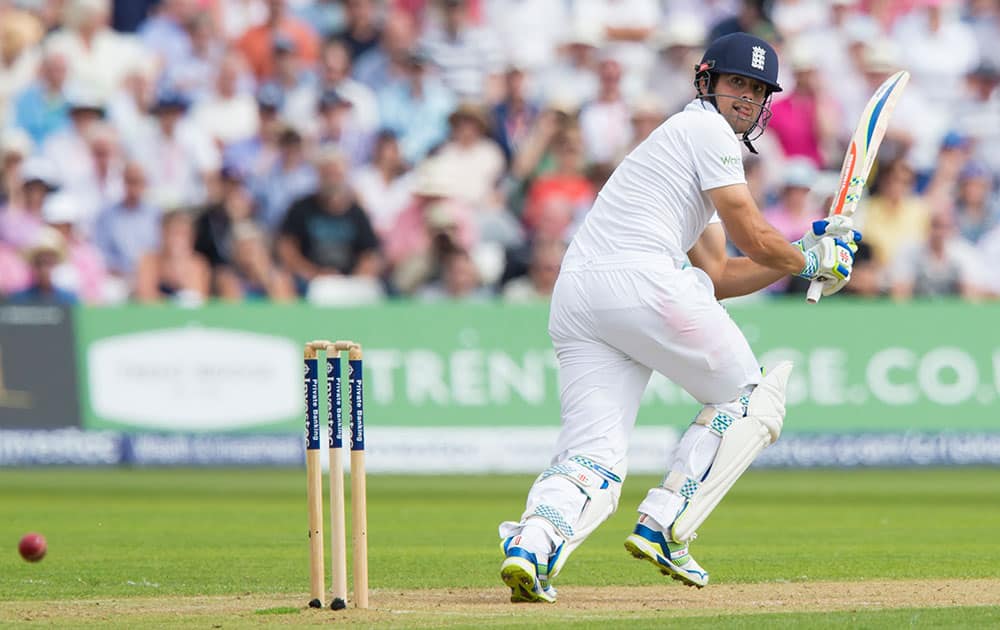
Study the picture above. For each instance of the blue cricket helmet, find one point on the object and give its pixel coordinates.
(743, 54)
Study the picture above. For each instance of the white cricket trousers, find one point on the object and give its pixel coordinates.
(615, 320)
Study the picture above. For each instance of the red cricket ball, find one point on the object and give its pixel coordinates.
(32, 547)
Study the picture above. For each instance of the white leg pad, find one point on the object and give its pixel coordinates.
(573, 498)
(742, 442)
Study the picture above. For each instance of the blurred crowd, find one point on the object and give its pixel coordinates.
(351, 151)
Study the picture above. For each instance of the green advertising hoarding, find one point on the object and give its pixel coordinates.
(860, 366)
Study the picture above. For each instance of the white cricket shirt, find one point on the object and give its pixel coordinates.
(656, 202)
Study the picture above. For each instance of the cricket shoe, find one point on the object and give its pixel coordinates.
(672, 559)
(526, 577)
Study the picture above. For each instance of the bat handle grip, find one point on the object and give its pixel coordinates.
(815, 292)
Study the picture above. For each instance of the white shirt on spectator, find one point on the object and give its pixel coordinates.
(71, 159)
(227, 120)
(607, 130)
(382, 200)
(636, 57)
(475, 171)
(176, 165)
(529, 30)
(101, 65)
(939, 60)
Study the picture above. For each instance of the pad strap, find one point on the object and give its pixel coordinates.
(681, 484)
(716, 421)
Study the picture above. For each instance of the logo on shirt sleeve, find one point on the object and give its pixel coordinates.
(730, 160)
(757, 57)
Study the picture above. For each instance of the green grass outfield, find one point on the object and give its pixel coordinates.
(865, 548)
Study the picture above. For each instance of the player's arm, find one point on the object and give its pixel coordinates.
(731, 276)
(752, 234)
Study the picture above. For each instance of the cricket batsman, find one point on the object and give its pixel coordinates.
(638, 291)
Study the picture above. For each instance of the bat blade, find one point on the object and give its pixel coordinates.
(861, 153)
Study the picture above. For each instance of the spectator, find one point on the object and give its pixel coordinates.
(533, 30)
(434, 222)
(945, 265)
(473, 159)
(15, 274)
(795, 211)
(977, 116)
(361, 31)
(335, 74)
(469, 58)
(21, 223)
(255, 155)
(83, 272)
(124, 232)
(98, 56)
(128, 108)
(648, 113)
(257, 43)
(68, 150)
(325, 16)
(44, 255)
(386, 63)
(194, 74)
(214, 226)
(606, 120)
(15, 146)
(327, 233)
(894, 216)
(416, 109)
(252, 275)
(558, 197)
(165, 33)
(983, 17)
(104, 185)
(337, 128)
(384, 187)
(459, 280)
(20, 31)
(866, 275)
(295, 84)
(228, 114)
(546, 258)
(41, 108)
(977, 206)
(514, 116)
(680, 47)
(572, 79)
(627, 25)
(174, 271)
(180, 161)
(750, 18)
(287, 177)
(794, 18)
(940, 50)
(805, 121)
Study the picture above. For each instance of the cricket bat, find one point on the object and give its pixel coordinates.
(861, 155)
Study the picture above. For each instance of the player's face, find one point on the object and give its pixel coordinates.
(739, 100)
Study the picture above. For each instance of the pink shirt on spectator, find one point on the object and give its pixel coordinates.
(791, 226)
(15, 275)
(90, 270)
(794, 122)
(410, 236)
(19, 228)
